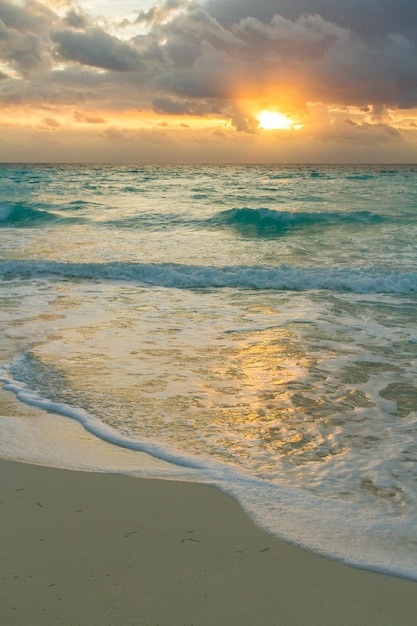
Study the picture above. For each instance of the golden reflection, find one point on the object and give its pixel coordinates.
(258, 407)
(252, 395)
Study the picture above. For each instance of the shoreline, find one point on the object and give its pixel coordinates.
(94, 548)
(29, 434)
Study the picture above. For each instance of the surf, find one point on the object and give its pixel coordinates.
(177, 276)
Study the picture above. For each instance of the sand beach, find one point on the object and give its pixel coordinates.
(84, 548)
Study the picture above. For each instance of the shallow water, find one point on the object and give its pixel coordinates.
(256, 324)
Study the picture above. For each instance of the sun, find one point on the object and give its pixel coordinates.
(272, 120)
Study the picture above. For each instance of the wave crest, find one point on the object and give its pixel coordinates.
(177, 276)
(21, 215)
(269, 222)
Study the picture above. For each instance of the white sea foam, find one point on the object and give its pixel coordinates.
(340, 530)
(283, 277)
(97, 428)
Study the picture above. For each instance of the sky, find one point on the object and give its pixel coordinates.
(208, 81)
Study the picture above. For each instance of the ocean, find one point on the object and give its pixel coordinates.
(254, 327)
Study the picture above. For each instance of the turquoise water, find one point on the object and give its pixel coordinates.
(257, 324)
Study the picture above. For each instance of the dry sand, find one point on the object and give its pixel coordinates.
(90, 549)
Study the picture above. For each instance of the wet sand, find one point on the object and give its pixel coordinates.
(83, 548)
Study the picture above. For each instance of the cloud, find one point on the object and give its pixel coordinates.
(170, 106)
(205, 57)
(25, 51)
(248, 47)
(27, 17)
(50, 123)
(77, 19)
(96, 48)
(160, 13)
(88, 118)
(366, 18)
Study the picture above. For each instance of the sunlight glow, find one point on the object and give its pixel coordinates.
(67, 117)
(272, 120)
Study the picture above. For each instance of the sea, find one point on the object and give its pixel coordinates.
(251, 327)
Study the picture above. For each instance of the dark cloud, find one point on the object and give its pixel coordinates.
(97, 48)
(364, 17)
(194, 108)
(168, 106)
(77, 19)
(24, 51)
(27, 17)
(347, 52)
(319, 58)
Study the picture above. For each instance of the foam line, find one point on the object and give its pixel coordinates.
(173, 275)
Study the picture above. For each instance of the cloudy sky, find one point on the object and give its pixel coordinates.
(208, 80)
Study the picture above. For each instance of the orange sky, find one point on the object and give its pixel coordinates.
(181, 81)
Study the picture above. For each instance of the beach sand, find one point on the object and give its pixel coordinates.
(83, 548)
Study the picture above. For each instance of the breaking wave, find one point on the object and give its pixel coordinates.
(268, 222)
(178, 276)
(21, 215)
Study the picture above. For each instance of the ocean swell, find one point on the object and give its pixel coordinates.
(269, 223)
